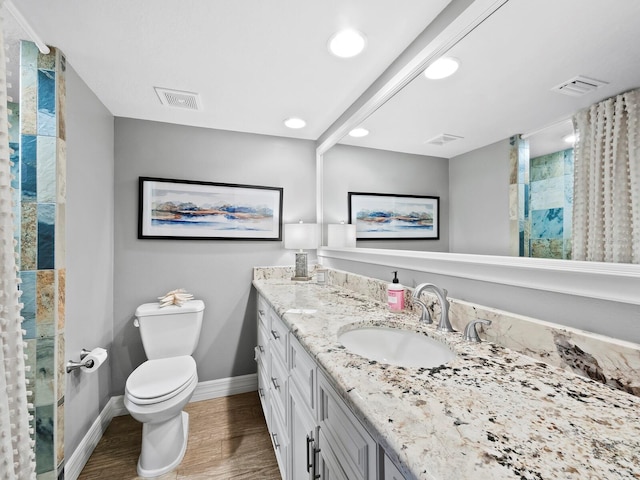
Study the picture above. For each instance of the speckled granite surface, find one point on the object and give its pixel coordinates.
(604, 359)
(491, 413)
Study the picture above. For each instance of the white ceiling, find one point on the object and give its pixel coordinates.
(254, 63)
(509, 64)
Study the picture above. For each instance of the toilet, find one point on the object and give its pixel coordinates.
(157, 391)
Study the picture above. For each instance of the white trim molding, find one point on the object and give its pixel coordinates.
(80, 456)
(223, 387)
(616, 282)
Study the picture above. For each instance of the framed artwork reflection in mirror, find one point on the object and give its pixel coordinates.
(379, 216)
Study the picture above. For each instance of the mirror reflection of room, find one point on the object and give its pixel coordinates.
(451, 136)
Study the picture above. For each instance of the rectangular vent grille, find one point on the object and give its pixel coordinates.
(179, 99)
(443, 139)
(578, 86)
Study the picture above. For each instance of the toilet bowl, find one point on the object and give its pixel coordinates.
(157, 391)
(155, 394)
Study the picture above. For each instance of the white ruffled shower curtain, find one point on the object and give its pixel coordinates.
(606, 206)
(17, 460)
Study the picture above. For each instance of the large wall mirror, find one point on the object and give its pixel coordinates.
(451, 137)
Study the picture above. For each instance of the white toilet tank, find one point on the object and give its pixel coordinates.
(170, 331)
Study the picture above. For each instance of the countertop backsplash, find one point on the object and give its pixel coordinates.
(613, 362)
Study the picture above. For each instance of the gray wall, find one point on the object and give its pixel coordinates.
(216, 271)
(479, 201)
(89, 253)
(358, 169)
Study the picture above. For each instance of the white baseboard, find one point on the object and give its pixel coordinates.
(76, 462)
(223, 387)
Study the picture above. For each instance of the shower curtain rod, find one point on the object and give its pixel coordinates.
(546, 127)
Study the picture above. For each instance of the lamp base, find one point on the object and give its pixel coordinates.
(302, 273)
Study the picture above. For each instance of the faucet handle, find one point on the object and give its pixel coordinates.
(425, 316)
(470, 332)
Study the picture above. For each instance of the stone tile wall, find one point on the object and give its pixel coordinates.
(37, 138)
(551, 204)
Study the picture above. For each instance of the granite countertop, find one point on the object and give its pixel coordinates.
(491, 413)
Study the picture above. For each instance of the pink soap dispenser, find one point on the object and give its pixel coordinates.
(395, 294)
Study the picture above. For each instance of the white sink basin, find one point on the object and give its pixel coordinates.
(396, 347)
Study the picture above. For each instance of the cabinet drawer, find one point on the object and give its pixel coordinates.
(263, 392)
(278, 387)
(278, 335)
(352, 444)
(262, 347)
(303, 372)
(263, 313)
(280, 442)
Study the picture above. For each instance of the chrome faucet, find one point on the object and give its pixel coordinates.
(444, 325)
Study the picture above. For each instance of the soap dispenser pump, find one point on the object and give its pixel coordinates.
(395, 294)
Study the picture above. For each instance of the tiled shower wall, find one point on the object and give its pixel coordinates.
(551, 204)
(540, 202)
(39, 190)
(519, 218)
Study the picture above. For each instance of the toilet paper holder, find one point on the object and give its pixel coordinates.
(71, 365)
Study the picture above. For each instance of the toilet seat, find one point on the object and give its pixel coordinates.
(158, 380)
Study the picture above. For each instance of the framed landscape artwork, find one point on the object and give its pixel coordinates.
(187, 209)
(394, 217)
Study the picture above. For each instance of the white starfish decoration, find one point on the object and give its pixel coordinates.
(175, 297)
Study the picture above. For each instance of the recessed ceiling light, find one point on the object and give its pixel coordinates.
(359, 132)
(295, 122)
(442, 68)
(571, 138)
(347, 43)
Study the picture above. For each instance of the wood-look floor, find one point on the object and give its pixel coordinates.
(228, 439)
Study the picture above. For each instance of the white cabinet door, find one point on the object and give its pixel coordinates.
(354, 447)
(302, 433)
(391, 472)
(328, 465)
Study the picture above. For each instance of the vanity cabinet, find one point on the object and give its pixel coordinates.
(271, 359)
(261, 356)
(313, 432)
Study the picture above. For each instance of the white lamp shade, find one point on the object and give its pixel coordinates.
(341, 235)
(303, 236)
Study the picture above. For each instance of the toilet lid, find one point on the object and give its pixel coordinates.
(160, 377)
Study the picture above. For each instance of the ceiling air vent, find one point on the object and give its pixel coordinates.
(578, 86)
(443, 139)
(177, 98)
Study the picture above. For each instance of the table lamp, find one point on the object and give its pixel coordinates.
(341, 235)
(301, 236)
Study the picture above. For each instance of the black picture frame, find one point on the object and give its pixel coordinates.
(190, 209)
(389, 216)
